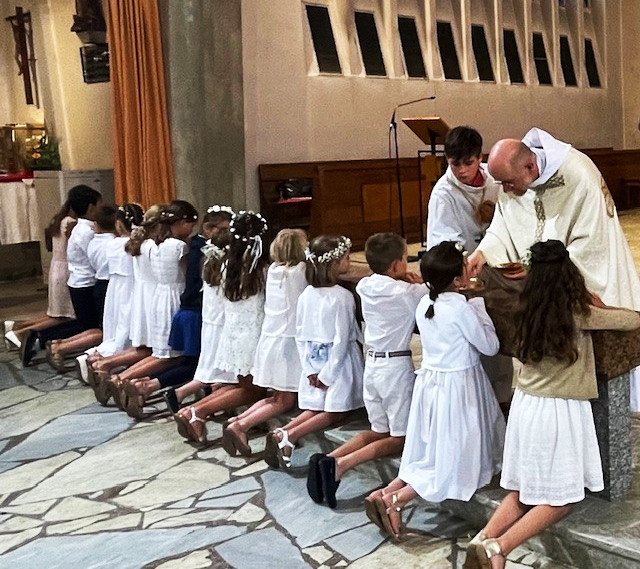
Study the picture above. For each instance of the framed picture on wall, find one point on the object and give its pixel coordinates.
(95, 62)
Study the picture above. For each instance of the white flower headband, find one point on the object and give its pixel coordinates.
(344, 244)
(128, 215)
(220, 208)
(244, 238)
(254, 243)
(172, 215)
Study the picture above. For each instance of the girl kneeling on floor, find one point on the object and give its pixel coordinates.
(455, 431)
(277, 364)
(242, 287)
(551, 451)
(327, 335)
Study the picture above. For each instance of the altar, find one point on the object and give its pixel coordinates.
(19, 220)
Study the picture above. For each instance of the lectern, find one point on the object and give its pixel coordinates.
(431, 130)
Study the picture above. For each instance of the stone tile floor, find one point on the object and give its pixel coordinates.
(86, 486)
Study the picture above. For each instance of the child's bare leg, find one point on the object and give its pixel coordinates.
(40, 323)
(319, 421)
(365, 447)
(194, 386)
(261, 411)
(507, 513)
(126, 358)
(537, 519)
(147, 367)
(243, 393)
(77, 343)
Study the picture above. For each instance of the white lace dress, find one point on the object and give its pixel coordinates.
(240, 334)
(170, 279)
(144, 288)
(277, 363)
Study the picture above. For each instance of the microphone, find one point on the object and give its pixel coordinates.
(392, 123)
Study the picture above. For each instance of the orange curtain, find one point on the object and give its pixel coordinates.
(143, 163)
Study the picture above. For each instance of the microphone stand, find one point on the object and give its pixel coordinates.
(393, 126)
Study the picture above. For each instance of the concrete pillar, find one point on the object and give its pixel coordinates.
(202, 42)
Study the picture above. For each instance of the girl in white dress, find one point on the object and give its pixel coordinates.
(455, 432)
(168, 263)
(327, 335)
(212, 312)
(139, 247)
(244, 273)
(277, 364)
(117, 305)
(551, 451)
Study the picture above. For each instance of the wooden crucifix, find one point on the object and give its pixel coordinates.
(23, 38)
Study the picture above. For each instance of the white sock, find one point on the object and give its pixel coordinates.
(84, 370)
(11, 337)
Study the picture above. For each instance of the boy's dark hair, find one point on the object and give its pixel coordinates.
(462, 142)
(553, 292)
(382, 249)
(81, 197)
(438, 267)
(322, 274)
(106, 218)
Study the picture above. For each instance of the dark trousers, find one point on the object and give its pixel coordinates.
(84, 305)
(180, 373)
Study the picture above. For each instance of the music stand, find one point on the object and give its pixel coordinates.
(431, 130)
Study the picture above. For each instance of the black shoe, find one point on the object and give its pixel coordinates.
(327, 468)
(171, 400)
(314, 480)
(28, 348)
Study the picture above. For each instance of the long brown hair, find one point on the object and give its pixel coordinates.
(53, 229)
(438, 267)
(212, 269)
(150, 223)
(325, 253)
(245, 270)
(553, 293)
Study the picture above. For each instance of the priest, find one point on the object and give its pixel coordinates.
(553, 191)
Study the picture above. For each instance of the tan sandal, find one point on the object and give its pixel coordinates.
(471, 560)
(487, 549)
(185, 426)
(384, 511)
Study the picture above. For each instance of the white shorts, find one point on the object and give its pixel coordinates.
(388, 385)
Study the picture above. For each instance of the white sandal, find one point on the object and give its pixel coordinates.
(285, 443)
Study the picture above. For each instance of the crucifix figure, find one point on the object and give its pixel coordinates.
(23, 37)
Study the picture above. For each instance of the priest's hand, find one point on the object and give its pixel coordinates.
(475, 262)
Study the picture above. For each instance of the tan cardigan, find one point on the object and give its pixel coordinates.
(551, 377)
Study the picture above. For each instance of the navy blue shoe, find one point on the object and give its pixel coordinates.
(314, 481)
(327, 468)
(28, 348)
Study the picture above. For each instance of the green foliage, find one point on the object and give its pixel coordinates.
(45, 155)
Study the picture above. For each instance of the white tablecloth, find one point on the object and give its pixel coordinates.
(19, 219)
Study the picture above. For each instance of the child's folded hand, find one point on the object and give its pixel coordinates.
(412, 278)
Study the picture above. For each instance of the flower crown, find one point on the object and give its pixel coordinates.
(129, 217)
(170, 215)
(344, 244)
(220, 208)
(244, 238)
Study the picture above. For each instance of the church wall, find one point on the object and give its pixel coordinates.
(295, 113)
(78, 113)
(629, 25)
